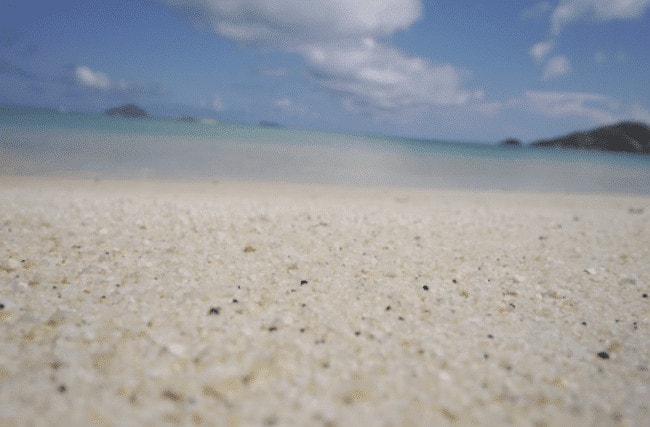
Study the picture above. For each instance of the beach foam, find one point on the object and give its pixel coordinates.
(255, 303)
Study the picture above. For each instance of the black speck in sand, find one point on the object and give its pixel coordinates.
(490, 336)
(171, 395)
(273, 328)
(584, 323)
(425, 287)
(62, 388)
(388, 308)
(235, 300)
(645, 295)
(2, 306)
(303, 282)
(603, 355)
(214, 310)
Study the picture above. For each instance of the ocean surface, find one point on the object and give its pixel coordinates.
(48, 142)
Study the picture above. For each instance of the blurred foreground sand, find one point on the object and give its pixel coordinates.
(143, 303)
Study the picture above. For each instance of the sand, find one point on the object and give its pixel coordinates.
(151, 303)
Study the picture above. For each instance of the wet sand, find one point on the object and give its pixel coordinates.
(235, 303)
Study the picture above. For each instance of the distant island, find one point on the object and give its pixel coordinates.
(269, 124)
(629, 137)
(128, 110)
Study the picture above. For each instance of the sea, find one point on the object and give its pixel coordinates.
(48, 142)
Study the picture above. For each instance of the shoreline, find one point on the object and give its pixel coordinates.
(261, 187)
(148, 302)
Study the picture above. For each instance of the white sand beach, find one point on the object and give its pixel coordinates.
(150, 303)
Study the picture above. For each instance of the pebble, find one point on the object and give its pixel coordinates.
(177, 349)
(518, 278)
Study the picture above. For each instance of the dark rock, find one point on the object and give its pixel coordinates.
(128, 110)
(510, 142)
(267, 124)
(627, 137)
(188, 119)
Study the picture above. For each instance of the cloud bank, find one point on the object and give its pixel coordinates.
(92, 79)
(370, 74)
(556, 67)
(570, 11)
(540, 50)
(600, 109)
(340, 42)
(293, 22)
(98, 80)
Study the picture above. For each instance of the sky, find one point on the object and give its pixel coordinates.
(462, 70)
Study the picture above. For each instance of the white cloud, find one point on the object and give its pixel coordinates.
(286, 105)
(339, 41)
(596, 107)
(556, 67)
(537, 10)
(218, 104)
(275, 72)
(92, 79)
(290, 22)
(600, 57)
(99, 80)
(640, 114)
(540, 50)
(569, 11)
(370, 74)
(283, 103)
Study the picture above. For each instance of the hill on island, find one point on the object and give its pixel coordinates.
(128, 110)
(630, 137)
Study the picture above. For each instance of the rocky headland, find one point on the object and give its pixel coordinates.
(629, 137)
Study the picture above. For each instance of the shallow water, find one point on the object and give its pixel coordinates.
(48, 142)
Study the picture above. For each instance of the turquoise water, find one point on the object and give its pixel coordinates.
(49, 142)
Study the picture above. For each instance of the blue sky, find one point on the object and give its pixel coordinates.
(454, 69)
